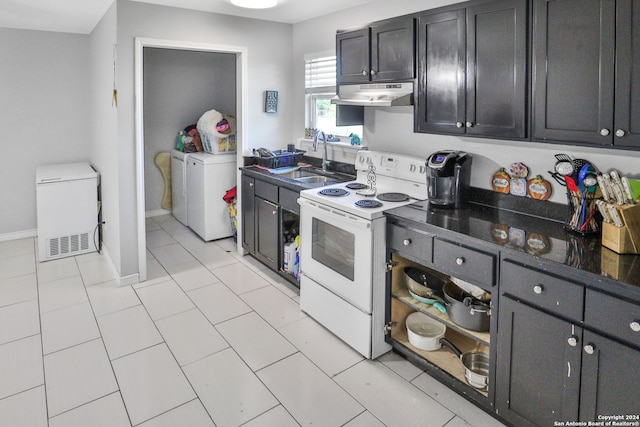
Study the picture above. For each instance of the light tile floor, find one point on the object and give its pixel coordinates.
(210, 339)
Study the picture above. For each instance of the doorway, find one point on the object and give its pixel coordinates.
(241, 73)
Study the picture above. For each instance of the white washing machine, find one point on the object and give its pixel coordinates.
(208, 178)
(179, 185)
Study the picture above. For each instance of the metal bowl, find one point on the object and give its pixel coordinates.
(423, 283)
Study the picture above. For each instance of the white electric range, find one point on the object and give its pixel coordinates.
(342, 229)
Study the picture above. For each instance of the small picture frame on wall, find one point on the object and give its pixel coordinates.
(271, 101)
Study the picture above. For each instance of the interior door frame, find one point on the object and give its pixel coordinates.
(241, 103)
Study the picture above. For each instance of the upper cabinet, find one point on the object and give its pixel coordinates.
(585, 87)
(472, 70)
(384, 51)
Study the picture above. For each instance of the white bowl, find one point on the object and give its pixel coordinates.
(424, 332)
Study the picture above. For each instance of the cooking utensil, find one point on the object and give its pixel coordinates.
(436, 302)
(474, 315)
(563, 157)
(476, 291)
(627, 190)
(476, 365)
(422, 282)
(425, 287)
(564, 168)
(424, 332)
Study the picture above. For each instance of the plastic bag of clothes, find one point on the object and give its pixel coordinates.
(217, 132)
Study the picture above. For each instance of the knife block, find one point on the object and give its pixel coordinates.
(625, 239)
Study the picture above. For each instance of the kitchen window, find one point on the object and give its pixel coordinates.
(320, 87)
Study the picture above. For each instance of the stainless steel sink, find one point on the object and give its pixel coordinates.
(315, 179)
(297, 174)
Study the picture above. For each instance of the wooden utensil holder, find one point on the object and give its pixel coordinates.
(625, 239)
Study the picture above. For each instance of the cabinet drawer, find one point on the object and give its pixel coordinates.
(619, 318)
(464, 263)
(267, 191)
(289, 200)
(410, 242)
(543, 290)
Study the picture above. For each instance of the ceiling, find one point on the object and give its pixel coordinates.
(81, 16)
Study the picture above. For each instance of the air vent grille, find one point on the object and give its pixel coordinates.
(68, 245)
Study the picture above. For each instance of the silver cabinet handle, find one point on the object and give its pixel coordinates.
(373, 72)
(538, 289)
(459, 124)
(620, 133)
(469, 124)
(604, 132)
(589, 348)
(251, 184)
(460, 260)
(365, 73)
(635, 326)
(573, 341)
(406, 242)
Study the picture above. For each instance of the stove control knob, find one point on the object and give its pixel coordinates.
(406, 242)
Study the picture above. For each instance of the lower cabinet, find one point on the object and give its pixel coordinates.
(553, 364)
(538, 359)
(270, 223)
(267, 232)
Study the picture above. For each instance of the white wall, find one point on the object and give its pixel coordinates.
(104, 128)
(44, 116)
(269, 68)
(391, 129)
(179, 86)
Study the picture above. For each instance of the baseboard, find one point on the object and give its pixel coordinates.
(157, 212)
(131, 279)
(17, 235)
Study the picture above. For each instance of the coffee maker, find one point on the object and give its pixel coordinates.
(447, 178)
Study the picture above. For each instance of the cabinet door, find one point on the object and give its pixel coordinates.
(538, 370)
(267, 231)
(610, 378)
(496, 69)
(441, 67)
(352, 51)
(573, 70)
(392, 50)
(627, 116)
(248, 213)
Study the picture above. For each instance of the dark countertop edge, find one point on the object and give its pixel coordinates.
(621, 288)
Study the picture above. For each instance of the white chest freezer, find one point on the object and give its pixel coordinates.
(209, 176)
(67, 210)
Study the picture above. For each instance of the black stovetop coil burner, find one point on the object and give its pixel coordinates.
(393, 197)
(369, 204)
(333, 192)
(356, 186)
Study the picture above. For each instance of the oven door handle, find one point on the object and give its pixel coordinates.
(336, 213)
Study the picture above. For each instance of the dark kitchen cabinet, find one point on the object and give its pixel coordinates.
(611, 374)
(248, 213)
(384, 51)
(267, 231)
(554, 364)
(538, 379)
(267, 223)
(585, 88)
(270, 222)
(472, 70)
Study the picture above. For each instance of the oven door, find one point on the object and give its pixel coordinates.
(337, 252)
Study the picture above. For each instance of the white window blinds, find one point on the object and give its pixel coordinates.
(320, 75)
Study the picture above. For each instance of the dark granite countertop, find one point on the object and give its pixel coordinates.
(541, 240)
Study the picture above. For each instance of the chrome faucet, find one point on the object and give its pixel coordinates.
(325, 162)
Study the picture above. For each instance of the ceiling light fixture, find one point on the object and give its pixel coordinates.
(255, 4)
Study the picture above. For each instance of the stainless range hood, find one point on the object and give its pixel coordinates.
(375, 94)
